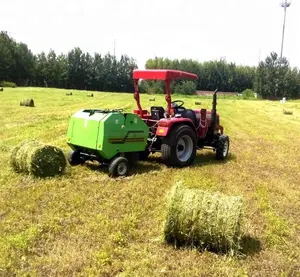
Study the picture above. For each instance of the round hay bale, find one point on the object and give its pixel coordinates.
(27, 103)
(1, 89)
(204, 220)
(38, 159)
(13, 157)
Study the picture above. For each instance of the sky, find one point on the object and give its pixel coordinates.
(242, 31)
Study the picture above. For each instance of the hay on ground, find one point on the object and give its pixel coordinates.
(27, 103)
(38, 159)
(68, 94)
(90, 95)
(204, 220)
(1, 89)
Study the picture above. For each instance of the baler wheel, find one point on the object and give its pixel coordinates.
(74, 158)
(222, 147)
(118, 167)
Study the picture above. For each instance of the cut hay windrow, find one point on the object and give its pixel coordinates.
(202, 219)
(27, 103)
(38, 159)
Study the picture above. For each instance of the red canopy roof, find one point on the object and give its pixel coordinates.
(162, 74)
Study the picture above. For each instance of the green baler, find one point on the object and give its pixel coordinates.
(107, 136)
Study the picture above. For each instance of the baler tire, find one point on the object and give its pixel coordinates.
(170, 143)
(222, 147)
(114, 169)
(74, 158)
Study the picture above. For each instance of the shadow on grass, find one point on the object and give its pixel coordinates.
(202, 159)
(154, 163)
(250, 246)
(139, 168)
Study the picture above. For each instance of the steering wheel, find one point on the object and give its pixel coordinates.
(176, 105)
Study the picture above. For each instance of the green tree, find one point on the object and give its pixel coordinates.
(271, 77)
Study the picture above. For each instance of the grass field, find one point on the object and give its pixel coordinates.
(86, 224)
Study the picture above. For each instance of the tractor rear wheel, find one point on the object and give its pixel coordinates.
(179, 147)
(74, 158)
(118, 167)
(222, 147)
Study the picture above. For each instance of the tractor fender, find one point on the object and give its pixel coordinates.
(166, 125)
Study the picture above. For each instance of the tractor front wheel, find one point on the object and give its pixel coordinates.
(222, 147)
(179, 147)
(118, 167)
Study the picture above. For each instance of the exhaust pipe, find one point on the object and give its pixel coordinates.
(214, 110)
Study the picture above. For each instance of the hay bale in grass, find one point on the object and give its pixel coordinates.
(38, 159)
(69, 94)
(287, 112)
(1, 89)
(13, 158)
(90, 95)
(204, 220)
(27, 103)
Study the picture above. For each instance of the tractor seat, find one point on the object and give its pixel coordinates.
(191, 115)
(157, 112)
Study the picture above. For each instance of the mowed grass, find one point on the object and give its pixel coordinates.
(87, 224)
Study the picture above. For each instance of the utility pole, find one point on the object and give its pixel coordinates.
(114, 47)
(284, 5)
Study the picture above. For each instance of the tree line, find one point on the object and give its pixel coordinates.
(272, 78)
(74, 70)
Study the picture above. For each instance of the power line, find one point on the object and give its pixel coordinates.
(284, 5)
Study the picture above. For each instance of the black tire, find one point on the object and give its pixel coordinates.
(176, 139)
(222, 147)
(143, 155)
(74, 158)
(118, 167)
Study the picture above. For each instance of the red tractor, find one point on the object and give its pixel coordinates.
(178, 132)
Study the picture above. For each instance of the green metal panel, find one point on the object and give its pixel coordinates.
(109, 133)
(122, 134)
(83, 129)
